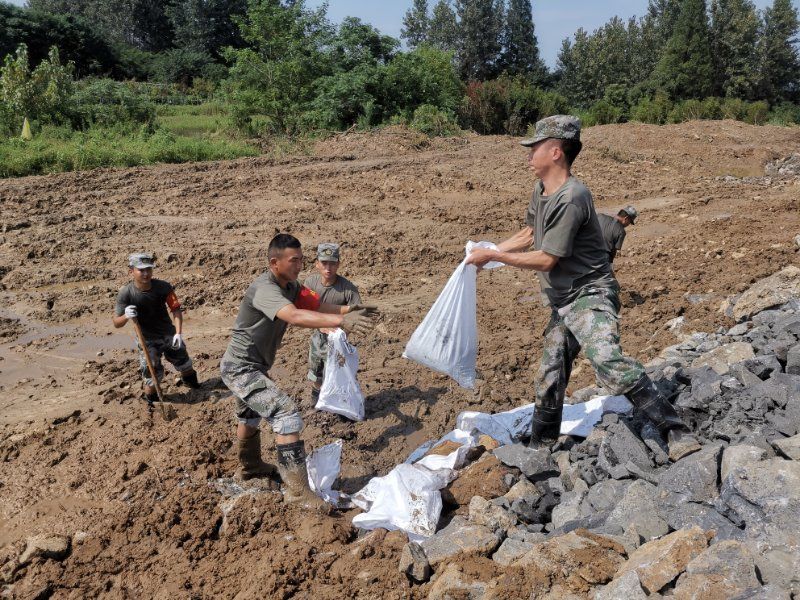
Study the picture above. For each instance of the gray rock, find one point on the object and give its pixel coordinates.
(743, 375)
(739, 455)
(414, 563)
(523, 535)
(763, 365)
(454, 583)
(571, 507)
(536, 465)
(638, 508)
(789, 447)
(723, 357)
(739, 329)
(680, 515)
(652, 438)
(523, 490)
(723, 570)
(627, 587)
(695, 477)
(774, 290)
(460, 537)
(620, 446)
(510, 550)
(767, 592)
(793, 360)
(605, 495)
(483, 512)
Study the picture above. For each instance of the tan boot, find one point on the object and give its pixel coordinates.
(252, 466)
(292, 468)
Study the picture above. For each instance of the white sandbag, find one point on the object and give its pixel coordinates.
(408, 499)
(447, 339)
(509, 426)
(340, 392)
(323, 466)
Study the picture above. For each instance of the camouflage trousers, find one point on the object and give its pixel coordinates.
(590, 323)
(317, 356)
(257, 397)
(177, 357)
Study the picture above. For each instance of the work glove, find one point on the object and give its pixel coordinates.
(130, 312)
(357, 321)
(177, 341)
(372, 309)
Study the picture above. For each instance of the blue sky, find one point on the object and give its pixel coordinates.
(554, 19)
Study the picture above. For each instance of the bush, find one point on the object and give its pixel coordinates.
(757, 112)
(733, 108)
(686, 110)
(711, 108)
(785, 113)
(179, 65)
(652, 110)
(105, 102)
(434, 122)
(603, 112)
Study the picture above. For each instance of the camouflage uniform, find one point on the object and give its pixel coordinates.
(177, 357)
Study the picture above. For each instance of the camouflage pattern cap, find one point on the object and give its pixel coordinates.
(142, 260)
(328, 252)
(562, 127)
(631, 212)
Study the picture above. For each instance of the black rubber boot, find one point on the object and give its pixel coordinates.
(292, 467)
(190, 379)
(151, 400)
(252, 467)
(314, 395)
(545, 427)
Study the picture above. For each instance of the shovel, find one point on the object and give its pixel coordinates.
(167, 411)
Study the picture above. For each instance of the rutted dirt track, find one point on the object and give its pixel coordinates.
(137, 495)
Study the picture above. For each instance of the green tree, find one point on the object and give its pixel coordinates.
(479, 45)
(425, 76)
(443, 27)
(734, 34)
(575, 69)
(779, 62)
(207, 26)
(684, 69)
(661, 18)
(416, 24)
(520, 48)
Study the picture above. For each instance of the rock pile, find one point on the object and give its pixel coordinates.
(615, 516)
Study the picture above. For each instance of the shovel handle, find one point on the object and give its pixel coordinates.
(150, 367)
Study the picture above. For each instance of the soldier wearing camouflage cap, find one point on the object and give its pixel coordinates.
(575, 274)
(332, 289)
(614, 229)
(147, 300)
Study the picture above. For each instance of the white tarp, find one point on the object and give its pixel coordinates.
(447, 339)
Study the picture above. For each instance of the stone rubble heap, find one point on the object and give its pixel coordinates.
(615, 516)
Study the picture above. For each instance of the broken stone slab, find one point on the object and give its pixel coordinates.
(739, 329)
(722, 571)
(605, 495)
(681, 515)
(510, 550)
(683, 446)
(483, 512)
(524, 535)
(771, 291)
(694, 478)
(789, 447)
(743, 375)
(571, 506)
(620, 446)
(626, 587)
(536, 465)
(53, 546)
(659, 562)
(793, 360)
(460, 537)
(454, 583)
(523, 490)
(414, 564)
(638, 508)
(723, 357)
(763, 366)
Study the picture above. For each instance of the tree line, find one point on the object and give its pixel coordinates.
(283, 67)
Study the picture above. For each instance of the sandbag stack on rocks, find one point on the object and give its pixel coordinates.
(721, 521)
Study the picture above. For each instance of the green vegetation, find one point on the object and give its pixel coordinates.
(118, 82)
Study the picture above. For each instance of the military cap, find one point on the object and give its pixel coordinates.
(631, 212)
(328, 252)
(142, 260)
(562, 127)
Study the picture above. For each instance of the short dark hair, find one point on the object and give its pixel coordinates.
(571, 149)
(280, 242)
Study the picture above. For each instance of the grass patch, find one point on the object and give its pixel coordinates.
(55, 150)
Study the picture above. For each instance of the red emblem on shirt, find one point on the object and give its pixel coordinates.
(307, 299)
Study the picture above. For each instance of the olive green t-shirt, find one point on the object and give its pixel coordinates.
(613, 232)
(342, 293)
(257, 332)
(151, 305)
(565, 225)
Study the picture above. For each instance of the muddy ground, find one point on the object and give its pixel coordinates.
(140, 498)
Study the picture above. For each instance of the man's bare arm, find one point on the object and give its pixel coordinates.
(311, 319)
(517, 242)
(535, 260)
(333, 309)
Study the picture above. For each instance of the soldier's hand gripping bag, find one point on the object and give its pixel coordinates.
(447, 339)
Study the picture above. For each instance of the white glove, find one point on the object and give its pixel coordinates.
(177, 341)
(130, 312)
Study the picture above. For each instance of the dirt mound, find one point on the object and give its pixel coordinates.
(144, 503)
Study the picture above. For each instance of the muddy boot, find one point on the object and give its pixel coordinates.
(151, 400)
(190, 379)
(649, 401)
(292, 467)
(314, 396)
(252, 466)
(545, 427)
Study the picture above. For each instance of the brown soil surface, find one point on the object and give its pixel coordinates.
(147, 503)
